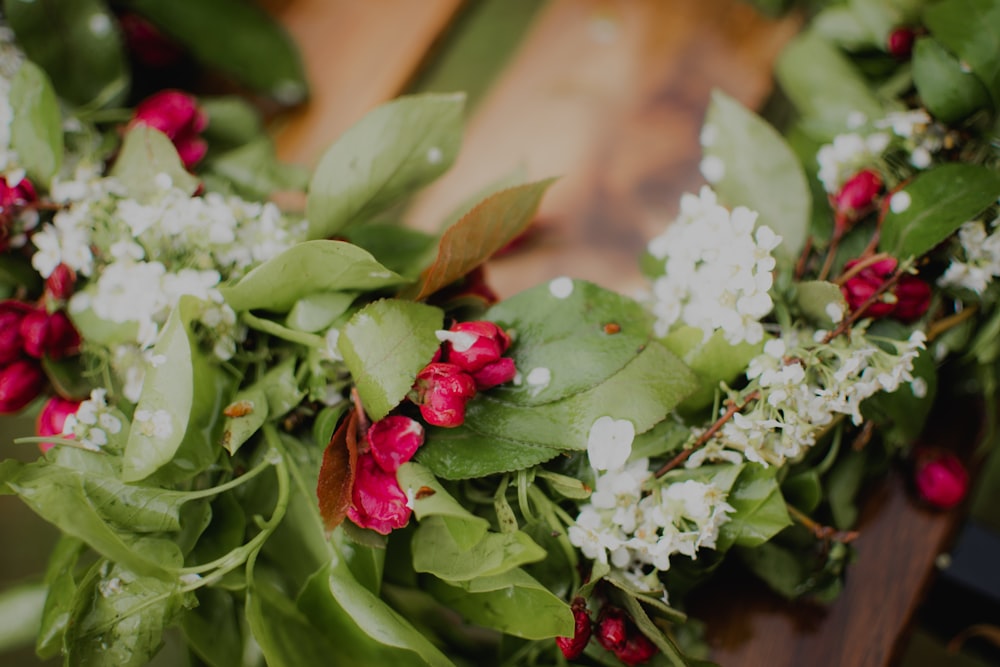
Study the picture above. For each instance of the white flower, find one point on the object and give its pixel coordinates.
(609, 443)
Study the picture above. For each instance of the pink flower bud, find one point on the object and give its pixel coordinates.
(637, 649)
(60, 283)
(378, 502)
(442, 390)
(12, 312)
(394, 440)
(473, 345)
(177, 115)
(149, 46)
(20, 383)
(17, 195)
(857, 196)
(573, 647)
(940, 478)
(907, 300)
(51, 335)
(899, 44)
(52, 418)
(499, 372)
(612, 628)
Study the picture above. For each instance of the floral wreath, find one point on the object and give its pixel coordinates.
(297, 435)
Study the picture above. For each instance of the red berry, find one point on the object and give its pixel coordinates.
(612, 628)
(573, 647)
(900, 43)
(940, 478)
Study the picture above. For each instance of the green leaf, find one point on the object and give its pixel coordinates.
(236, 38)
(760, 511)
(780, 568)
(481, 232)
(461, 453)
(401, 249)
(823, 84)
(971, 30)
(254, 171)
(316, 312)
(760, 171)
(36, 128)
(670, 651)
(77, 43)
(61, 585)
(212, 629)
(713, 361)
(231, 120)
(21, 607)
(431, 499)
(308, 268)
(814, 297)
(803, 490)
(436, 552)
(880, 17)
(842, 487)
(244, 417)
(554, 333)
(392, 152)
(513, 603)
(940, 201)
(145, 154)
(948, 91)
(385, 344)
(281, 388)
(902, 414)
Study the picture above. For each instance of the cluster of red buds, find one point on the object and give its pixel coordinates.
(855, 199)
(614, 630)
(378, 502)
(28, 333)
(906, 301)
(13, 198)
(178, 116)
(469, 360)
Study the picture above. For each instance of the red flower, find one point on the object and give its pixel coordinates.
(907, 300)
(377, 501)
(52, 418)
(12, 312)
(394, 440)
(60, 283)
(499, 372)
(940, 478)
(51, 335)
(442, 390)
(20, 383)
(177, 115)
(573, 647)
(473, 345)
(856, 197)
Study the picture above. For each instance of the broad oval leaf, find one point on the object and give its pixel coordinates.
(461, 453)
(36, 128)
(815, 298)
(236, 38)
(145, 154)
(393, 151)
(316, 312)
(61, 585)
(513, 603)
(77, 43)
(336, 473)
(437, 553)
(431, 499)
(760, 171)
(713, 361)
(308, 268)
(244, 417)
(940, 201)
(480, 233)
(947, 89)
(760, 511)
(384, 345)
(971, 30)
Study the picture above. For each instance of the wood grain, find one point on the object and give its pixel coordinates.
(357, 54)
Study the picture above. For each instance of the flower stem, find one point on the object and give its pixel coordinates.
(848, 322)
(945, 323)
(732, 407)
(821, 532)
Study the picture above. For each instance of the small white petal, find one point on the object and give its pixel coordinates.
(561, 287)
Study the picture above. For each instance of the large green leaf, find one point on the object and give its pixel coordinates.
(480, 233)
(714, 361)
(760, 171)
(384, 345)
(435, 551)
(77, 43)
(236, 38)
(971, 30)
(940, 201)
(308, 268)
(145, 154)
(948, 90)
(431, 499)
(461, 453)
(513, 603)
(61, 583)
(554, 332)
(393, 151)
(760, 511)
(36, 128)
(212, 629)
(21, 607)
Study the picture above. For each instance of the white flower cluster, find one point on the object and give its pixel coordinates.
(981, 249)
(717, 270)
(93, 422)
(633, 527)
(848, 153)
(921, 136)
(802, 387)
(140, 258)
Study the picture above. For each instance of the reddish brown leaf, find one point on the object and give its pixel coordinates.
(481, 232)
(336, 473)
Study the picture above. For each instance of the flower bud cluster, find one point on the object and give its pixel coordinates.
(906, 301)
(178, 116)
(614, 630)
(470, 360)
(717, 270)
(17, 216)
(92, 424)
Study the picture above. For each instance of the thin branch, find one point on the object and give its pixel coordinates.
(731, 409)
(821, 532)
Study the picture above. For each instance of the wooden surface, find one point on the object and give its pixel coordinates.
(610, 95)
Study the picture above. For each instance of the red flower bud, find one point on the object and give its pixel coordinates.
(637, 649)
(573, 647)
(899, 44)
(177, 115)
(499, 372)
(149, 46)
(12, 312)
(857, 196)
(913, 298)
(51, 335)
(20, 383)
(473, 345)
(907, 300)
(442, 390)
(17, 195)
(394, 440)
(378, 502)
(940, 478)
(60, 283)
(52, 418)
(612, 628)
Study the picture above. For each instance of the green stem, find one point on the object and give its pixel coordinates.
(282, 332)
